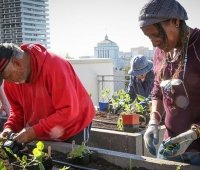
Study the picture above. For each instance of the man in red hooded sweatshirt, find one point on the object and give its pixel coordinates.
(47, 99)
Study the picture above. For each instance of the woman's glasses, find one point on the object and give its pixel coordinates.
(180, 101)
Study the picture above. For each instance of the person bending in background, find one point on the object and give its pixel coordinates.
(141, 77)
(47, 99)
(176, 83)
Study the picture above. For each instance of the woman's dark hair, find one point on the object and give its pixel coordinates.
(181, 45)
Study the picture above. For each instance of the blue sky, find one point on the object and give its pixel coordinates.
(76, 26)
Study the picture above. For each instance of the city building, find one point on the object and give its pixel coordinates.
(121, 60)
(107, 49)
(143, 51)
(24, 21)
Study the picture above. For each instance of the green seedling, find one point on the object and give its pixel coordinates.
(79, 151)
(172, 146)
(178, 167)
(2, 166)
(37, 157)
(64, 168)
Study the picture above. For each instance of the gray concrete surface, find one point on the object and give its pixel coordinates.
(126, 160)
(117, 141)
(121, 141)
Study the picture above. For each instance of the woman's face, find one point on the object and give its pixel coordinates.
(142, 76)
(168, 42)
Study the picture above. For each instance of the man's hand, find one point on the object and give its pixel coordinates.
(6, 132)
(25, 136)
(178, 145)
(151, 136)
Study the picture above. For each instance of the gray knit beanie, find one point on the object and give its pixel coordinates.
(155, 11)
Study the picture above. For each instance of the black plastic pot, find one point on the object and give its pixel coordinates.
(131, 128)
(84, 160)
(47, 163)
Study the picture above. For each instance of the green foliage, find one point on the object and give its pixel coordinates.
(64, 168)
(79, 151)
(36, 159)
(137, 107)
(120, 123)
(105, 95)
(3, 154)
(178, 167)
(121, 100)
(2, 166)
(38, 152)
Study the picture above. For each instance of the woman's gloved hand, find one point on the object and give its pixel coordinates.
(177, 145)
(151, 136)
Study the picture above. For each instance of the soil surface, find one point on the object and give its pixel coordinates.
(104, 120)
(96, 163)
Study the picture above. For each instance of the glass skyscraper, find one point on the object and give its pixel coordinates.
(24, 21)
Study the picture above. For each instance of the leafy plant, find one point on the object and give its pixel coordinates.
(64, 168)
(124, 105)
(141, 105)
(79, 151)
(3, 154)
(121, 101)
(178, 167)
(120, 123)
(2, 166)
(36, 159)
(38, 151)
(172, 146)
(105, 95)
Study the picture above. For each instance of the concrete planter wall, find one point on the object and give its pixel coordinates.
(121, 141)
(126, 160)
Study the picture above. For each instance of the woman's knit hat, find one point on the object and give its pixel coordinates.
(155, 11)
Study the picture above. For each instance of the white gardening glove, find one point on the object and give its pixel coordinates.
(151, 136)
(177, 145)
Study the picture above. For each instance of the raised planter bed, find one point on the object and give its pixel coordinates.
(105, 135)
(121, 160)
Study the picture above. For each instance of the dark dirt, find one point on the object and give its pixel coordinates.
(104, 120)
(95, 164)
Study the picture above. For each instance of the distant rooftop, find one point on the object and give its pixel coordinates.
(106, 41)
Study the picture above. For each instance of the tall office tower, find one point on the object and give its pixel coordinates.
(24, 21)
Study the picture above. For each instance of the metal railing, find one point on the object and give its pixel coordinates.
(112, 82)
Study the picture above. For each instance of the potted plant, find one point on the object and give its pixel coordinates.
(104, 99)
(130, 113)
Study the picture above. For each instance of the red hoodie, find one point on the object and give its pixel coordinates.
(53, 101)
